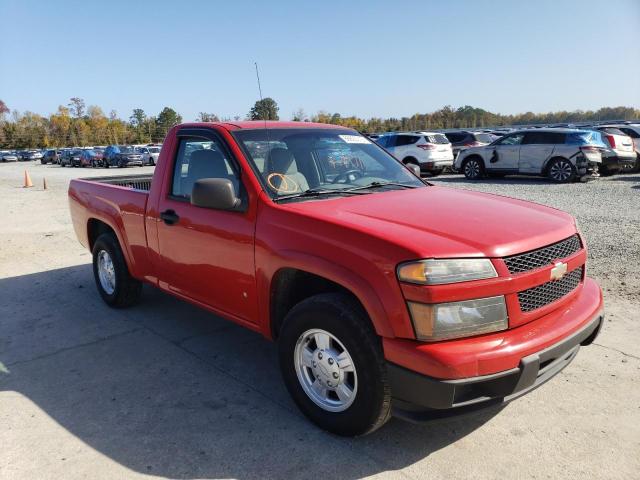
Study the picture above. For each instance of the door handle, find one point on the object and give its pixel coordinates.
(170, 217)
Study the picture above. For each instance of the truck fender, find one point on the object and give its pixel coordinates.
(338, 274)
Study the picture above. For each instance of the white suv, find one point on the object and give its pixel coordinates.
(562, 154)
(431, 151)
(149, 154)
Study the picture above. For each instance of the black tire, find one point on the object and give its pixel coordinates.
(607, 172)
(151, 162)
(473, 168)
(344, 318)
(436, 172)
(127, 289)
(411, 160)
(560, 170)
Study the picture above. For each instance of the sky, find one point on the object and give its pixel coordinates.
(365, 58)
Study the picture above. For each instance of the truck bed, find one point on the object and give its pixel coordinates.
(135, 182)
(120, 203)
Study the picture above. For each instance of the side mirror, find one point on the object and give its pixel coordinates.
(414, 168)
(218, 193)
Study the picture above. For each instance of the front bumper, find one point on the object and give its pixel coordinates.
(421, 398)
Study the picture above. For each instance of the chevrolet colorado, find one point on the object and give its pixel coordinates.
(384, 293)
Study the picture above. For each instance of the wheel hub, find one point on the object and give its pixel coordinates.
(106, 272)
(325, 368)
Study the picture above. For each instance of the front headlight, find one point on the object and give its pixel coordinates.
(437, 272)
(444, 321)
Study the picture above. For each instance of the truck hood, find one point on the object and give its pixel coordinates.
(446, 222)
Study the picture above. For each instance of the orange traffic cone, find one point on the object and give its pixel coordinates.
(27, 180)
(44, 183)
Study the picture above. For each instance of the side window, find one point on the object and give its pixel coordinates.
(632, 133)
(402, 140)
(514, 139)
(455, 137)
(199, 158)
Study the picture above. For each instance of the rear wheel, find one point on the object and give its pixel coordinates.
(116, 285)
(333, 366)
(473, 168)
(561, 171)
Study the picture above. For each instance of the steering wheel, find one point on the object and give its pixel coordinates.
(348, 176)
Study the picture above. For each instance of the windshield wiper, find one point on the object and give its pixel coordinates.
(380, 185)
(316, 192)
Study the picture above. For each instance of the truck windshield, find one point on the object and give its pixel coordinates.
(292, 161)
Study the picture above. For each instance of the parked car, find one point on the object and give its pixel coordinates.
(121, 156)
(149, 154)
(560, 154)
(90, 158)
(430, 151)
(620, 154)
(469, 301)
(33, 155)
(633, 130)
(463, 139)
(71, 158)
(50, 156)
(7, 156)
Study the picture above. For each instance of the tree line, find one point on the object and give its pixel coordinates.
(76, 124)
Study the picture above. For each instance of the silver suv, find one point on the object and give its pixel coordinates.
(562, 154)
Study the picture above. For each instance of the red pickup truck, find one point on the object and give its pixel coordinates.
(385, 293)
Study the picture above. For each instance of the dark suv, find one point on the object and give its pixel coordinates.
(464, 139)
(71, 158)
(50, 156)
(121, 156)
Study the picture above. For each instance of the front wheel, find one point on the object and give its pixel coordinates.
(333, 366)
(473, 169)
(561, 171)
(115, 284)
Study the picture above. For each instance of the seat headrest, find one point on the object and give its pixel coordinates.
(207, 164)
(280, 160)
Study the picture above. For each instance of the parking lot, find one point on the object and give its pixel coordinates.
(165, 389)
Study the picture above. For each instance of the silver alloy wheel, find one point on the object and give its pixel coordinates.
(106, 272)
(472, 169)
(325, 370)
(560, 171)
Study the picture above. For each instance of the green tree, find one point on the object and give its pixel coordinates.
(265, 109)
(167, 118)
(138, 117)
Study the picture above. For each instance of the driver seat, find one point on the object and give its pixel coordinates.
(287, 178)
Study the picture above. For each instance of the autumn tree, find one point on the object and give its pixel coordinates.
(76, 107)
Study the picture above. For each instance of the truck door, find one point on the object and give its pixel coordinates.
(506, 153)
(206, 255)
(536, 148)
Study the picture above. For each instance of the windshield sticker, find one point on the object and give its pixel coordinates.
(353, 139)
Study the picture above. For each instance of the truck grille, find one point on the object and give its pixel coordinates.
(549, 292)
(524, 262)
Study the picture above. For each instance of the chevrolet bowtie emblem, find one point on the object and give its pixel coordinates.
(558, 271)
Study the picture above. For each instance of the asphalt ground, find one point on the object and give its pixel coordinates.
(167, 390)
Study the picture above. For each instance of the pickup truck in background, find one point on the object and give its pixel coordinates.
(300, 231)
